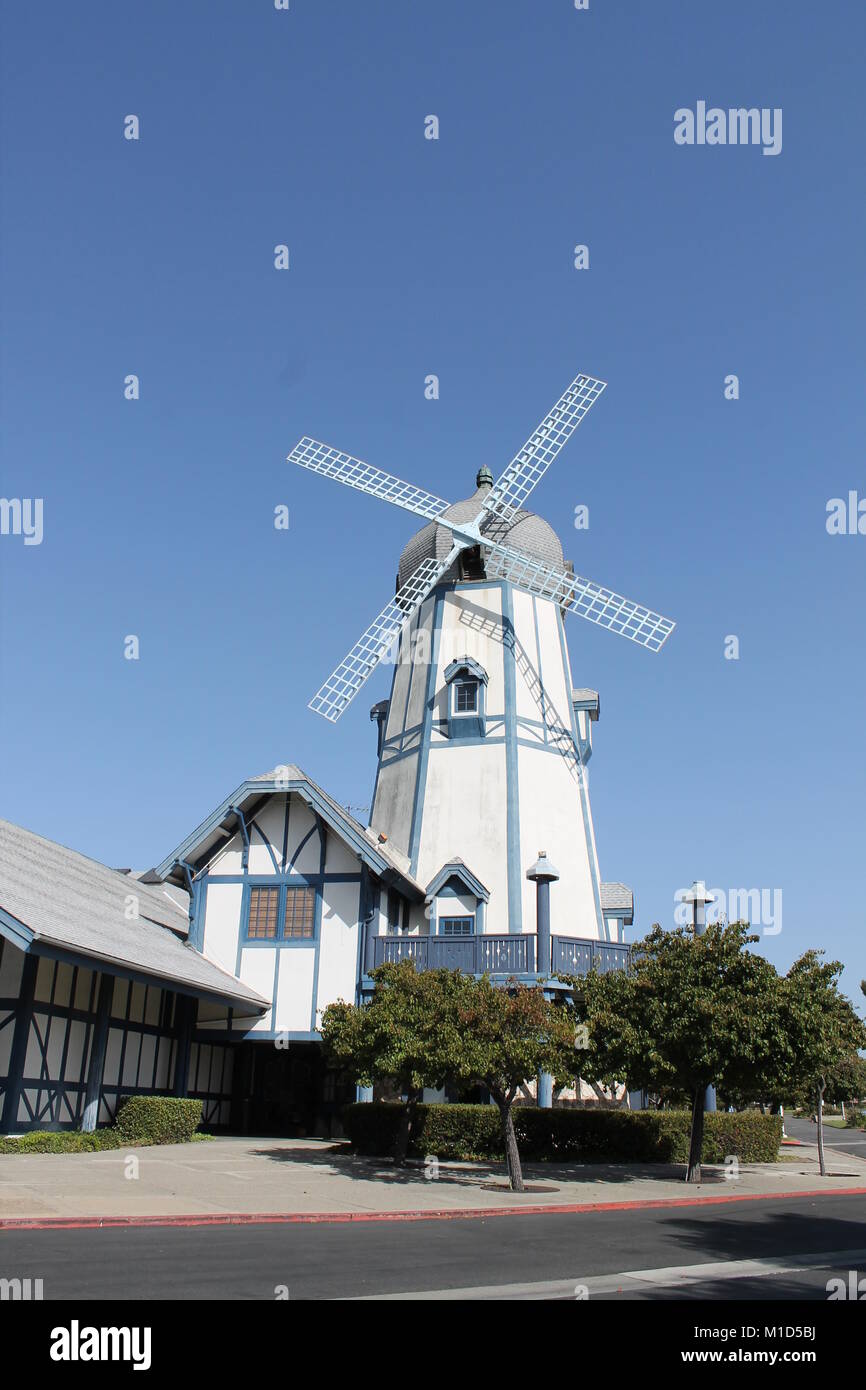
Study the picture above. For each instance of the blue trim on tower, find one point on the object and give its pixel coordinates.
(539, 669)
(603, 934)
(512, 804)
(424, 750)
(489, 741)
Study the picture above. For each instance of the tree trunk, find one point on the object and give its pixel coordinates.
(509, 1139)
(696, 1139)
(407, 1116)
(820, 1117)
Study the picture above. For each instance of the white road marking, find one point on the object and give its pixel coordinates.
(671, 1276)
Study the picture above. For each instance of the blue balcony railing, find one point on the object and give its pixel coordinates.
(576, 956)
(500, 955)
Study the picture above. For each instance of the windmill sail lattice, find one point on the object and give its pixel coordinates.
(488, 530)
(581, 596)
(530, 463)
(343, 684)
(330, 463)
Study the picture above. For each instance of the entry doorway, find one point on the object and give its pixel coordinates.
(287, 1091)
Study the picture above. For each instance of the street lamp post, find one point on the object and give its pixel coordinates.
(699, 898)
(542, 874)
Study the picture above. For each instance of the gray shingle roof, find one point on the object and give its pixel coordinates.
(527, 532)
(71, 903)
(584, 698)
(617, 897)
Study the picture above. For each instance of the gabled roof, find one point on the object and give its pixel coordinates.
(455, 868)
(465, 663)
(617, 898)
(56, 902)
(387, 862)
(584, 698)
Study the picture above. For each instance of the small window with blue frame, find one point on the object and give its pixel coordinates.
(465, 697)
(262, 921)
(456, 926)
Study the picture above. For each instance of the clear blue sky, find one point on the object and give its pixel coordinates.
(454, 257)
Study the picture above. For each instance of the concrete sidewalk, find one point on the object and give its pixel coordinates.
(240, 1179)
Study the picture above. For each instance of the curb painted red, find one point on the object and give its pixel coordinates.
(72, 1223)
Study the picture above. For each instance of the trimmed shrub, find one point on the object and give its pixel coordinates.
(157, 1120)
(63, 1141)
(140, 1120)
(565, 1135)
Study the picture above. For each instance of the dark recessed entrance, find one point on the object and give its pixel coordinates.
(287, 1091)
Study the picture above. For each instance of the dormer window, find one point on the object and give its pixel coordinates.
(457, 901)
(466, 683)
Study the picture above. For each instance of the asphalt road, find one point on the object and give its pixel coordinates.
(554, 1252)
(849, 1141)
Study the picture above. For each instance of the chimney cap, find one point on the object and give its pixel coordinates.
(697, 893)
(542, 870)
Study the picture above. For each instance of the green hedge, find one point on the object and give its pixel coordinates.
(60, 1141)
(140, 1120)
(565, 1135)
(157, 1119)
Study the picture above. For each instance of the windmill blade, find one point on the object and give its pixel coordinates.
(343, 468)
(529, 465)
(577, 595)
(341, 687)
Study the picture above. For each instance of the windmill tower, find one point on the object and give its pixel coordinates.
(483, 743)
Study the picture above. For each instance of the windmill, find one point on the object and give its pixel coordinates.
(483, 534)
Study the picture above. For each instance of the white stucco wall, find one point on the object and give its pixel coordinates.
(300, 977)
(222, 916)
(467, 786)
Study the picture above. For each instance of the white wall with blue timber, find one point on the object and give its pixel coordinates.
(50, 1014)
(301, 976)
(515, 787)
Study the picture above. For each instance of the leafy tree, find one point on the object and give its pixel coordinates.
(509, 1035)
(694, 1011)
(821, 1031)
(847, 1080)
(407, 1034)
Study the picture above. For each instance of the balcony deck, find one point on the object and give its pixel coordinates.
(501, 955)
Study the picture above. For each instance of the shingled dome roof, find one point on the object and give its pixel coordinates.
(527, 532)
